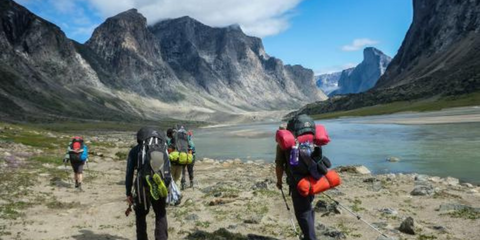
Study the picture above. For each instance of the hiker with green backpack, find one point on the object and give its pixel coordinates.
(77, 155)
(180, 152)
(149, 158)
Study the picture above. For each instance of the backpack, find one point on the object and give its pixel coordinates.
(306, 163)
(306, 156)
(153, 166)
(181, 153)
(77, 151)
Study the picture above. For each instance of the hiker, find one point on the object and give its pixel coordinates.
(149, 158)
(301, 161)
(77, 154)
(176, 168)
(189, 167)
(180, 152)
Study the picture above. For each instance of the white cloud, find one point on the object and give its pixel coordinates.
(256, 17)
(359, 44)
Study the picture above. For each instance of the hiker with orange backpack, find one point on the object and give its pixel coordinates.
(299, 155)
(77, 154)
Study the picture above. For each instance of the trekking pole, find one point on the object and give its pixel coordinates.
(357, 216)
(66, 170)
(290, 213)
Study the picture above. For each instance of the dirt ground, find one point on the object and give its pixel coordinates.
(40, 202)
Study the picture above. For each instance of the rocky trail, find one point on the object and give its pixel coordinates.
(231, 199)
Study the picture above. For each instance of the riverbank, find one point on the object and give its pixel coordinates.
(236, 196)
(419, 106)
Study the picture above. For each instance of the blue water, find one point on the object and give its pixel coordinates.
(440, 150)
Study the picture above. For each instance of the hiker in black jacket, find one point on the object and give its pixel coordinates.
(301, 205)
(143, 202)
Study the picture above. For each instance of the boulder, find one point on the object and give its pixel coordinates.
(421, 178)
(423, 190)
(446, 207)
(408, 226)
(360, 169)
(435, 179)
(263, 185)
(451, 181)
(389, 211)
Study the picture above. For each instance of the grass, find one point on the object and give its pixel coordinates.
(466, 213)
(472, 99)
(121, 155)
(201, 224)
(356, 205)
(53, 203)
(31, 138)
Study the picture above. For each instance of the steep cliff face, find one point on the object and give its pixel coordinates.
(365, 75)
(132, 56)
(226, 63)
(440, 48)
(440, 56)
(41, 72)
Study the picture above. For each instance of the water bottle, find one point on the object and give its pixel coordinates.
(294, 155)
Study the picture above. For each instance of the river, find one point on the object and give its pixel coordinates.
(437, 149)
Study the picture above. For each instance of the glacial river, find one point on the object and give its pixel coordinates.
(437, 149)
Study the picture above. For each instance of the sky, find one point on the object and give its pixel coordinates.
(323, 35)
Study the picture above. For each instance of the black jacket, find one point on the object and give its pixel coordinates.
(131, 166)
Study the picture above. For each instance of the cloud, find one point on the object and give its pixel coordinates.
(256, 17)
(359, 44)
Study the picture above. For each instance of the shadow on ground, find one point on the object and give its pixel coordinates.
(87, 234)
(224, 234)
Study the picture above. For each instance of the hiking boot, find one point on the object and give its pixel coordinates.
(153, 188)
(191, 184)
(76, 184)
(183, 186)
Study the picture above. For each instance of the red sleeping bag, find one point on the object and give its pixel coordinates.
(309, 186)
(286, 140)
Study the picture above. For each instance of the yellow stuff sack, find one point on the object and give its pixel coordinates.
(185, 158)
(174, 156)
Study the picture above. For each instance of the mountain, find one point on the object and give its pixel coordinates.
(41, 72)
(328, 82)
(440, 56)
(227, 64)
(365, 75)
(177, 68)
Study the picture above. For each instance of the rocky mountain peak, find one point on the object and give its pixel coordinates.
(365, 75)
(125, 32)
(373, 54)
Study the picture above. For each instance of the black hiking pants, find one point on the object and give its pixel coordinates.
(189, 168)
(304, 214)
(161, 226)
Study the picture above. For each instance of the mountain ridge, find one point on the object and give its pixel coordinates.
(125, 65)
